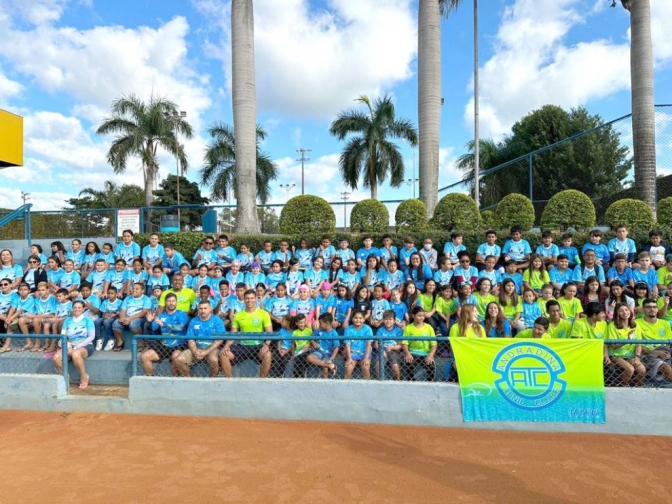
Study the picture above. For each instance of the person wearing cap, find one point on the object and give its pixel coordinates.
(304, 305)
(255, 276)
(250, 320)
(325, 303)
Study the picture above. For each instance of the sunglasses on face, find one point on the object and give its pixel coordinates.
(32, 262)
(208, 243)
(4, 285)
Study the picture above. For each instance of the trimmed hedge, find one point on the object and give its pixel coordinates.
(664, 212)
(369, 216)
(567, 209)
(514, 210)
(307, 214)
(456, 211)
(488, 218)
(633, 213)
(411, 214)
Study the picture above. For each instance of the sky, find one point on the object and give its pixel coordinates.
(62, 63)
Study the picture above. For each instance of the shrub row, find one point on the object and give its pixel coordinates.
(569, 209)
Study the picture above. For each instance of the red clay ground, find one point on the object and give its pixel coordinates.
(97, 458)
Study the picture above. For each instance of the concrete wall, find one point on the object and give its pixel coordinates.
(629, 411)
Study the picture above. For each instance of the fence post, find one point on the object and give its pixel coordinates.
(27, 225)
(381, 360)
(64, 355)
(531, 170)
(134, 355)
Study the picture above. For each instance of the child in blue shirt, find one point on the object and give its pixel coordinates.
(245, 257)
(325, 346)
(511, 271)
(399, 308)
(531, 309)
(367, 249)
(324, 303)
(76, 255)
(326, 251)
(265, 257)
(283, 254)
(127, 250)
(619, 271)
(621, 244)
(517, 249)
(304, 254)
(489, 248)
(109, 311)
(646, 273)
(225, 253)
(405, 253)
(276, 276)
(343, 305)
(568, 249)
(390, 345)
(547, 250)
(172, 260)
(350, 277)
(294, 277)
(345, 252)
(602, 255)
(158, 278)
(153, 253)
(98, 277)
(387, 251)
(452, 248)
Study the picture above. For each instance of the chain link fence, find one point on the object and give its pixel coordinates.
(638, 363)
(17, 358)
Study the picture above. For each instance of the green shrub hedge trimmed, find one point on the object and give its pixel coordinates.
(633, 213)
(307, 214)
(369, 216)
(567, 209)
(514, 210)
(456, 211)
(664, 212)
(410, 214)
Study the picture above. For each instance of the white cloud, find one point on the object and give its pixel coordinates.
(312, 63)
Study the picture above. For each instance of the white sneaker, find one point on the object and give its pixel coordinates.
(99, 345)
(109, 345)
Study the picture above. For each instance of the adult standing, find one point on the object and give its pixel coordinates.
(249, 320)
(80, 333)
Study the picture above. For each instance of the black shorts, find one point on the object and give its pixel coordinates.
(245, 352)
(162, 350)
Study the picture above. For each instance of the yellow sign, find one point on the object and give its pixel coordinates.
(11, 139)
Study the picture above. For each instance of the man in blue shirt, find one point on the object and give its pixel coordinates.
(206, 324)
(173, 324)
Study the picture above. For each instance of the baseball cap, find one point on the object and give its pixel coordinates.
(326, 286)
(255, 264)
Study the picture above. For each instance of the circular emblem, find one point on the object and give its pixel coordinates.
(529, 375)
(256, 321)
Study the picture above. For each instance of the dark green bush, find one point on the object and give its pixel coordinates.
(488, 218)
(456, 211)
(664, 212)
(369, 216)
(307, 214)
(514, 210)
(411, 214)
(633, 213)
(567, 209)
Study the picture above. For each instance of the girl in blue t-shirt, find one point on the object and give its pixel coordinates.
(358, 351)
(343, 307)
(91, 255)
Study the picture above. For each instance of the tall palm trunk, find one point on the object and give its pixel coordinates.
(429, 100)
(244, 114)
(150, 175)
(643, 110)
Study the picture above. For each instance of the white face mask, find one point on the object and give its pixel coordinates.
(428, 246)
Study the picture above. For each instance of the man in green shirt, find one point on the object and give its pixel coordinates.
(249, 320)
(185, 296)
(655, 357)
(558, 327)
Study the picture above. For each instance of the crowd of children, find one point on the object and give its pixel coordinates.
(402, 295)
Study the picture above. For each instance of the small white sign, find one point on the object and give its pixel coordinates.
(128, 218)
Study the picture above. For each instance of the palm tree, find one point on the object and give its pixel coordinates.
(114, 196)
(371, 154)
(429, 94)
(244, 96)
(643, 109)
(219, 171)
(141, 128)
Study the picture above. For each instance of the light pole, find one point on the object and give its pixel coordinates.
(477, 140)
(412, 147)
(303, 159)
(411, 182)
(25, 196)
(175, 118)
(345, 196)
(288, 187)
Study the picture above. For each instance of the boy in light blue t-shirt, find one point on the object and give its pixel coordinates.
(517, 249)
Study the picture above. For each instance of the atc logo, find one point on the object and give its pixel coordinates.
(529, 375)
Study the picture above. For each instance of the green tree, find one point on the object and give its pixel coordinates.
(429, 94)
(643, 110)
(111, 196)
(244, 97)
(595, 163)
(190, 194)
(369, 153)
(219, 171)
(141, 129)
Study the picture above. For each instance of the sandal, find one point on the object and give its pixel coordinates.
(25, 348)
(5, 350)
(118, 347)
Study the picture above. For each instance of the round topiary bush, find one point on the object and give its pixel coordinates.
(307, 214)
(456, 211)
(488, 218)
(369, 216)
(633, 213)
(567, 209)
(514, 210)
(411, 215)
(664, 212)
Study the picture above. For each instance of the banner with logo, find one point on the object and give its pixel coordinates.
(530, 380)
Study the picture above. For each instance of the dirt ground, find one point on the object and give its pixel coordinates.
(98, 458)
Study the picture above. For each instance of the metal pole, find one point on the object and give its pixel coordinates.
(303, 159)
(344, 196)
(477, 140)
(531, 170)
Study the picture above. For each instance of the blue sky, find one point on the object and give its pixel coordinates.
(62, 62)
